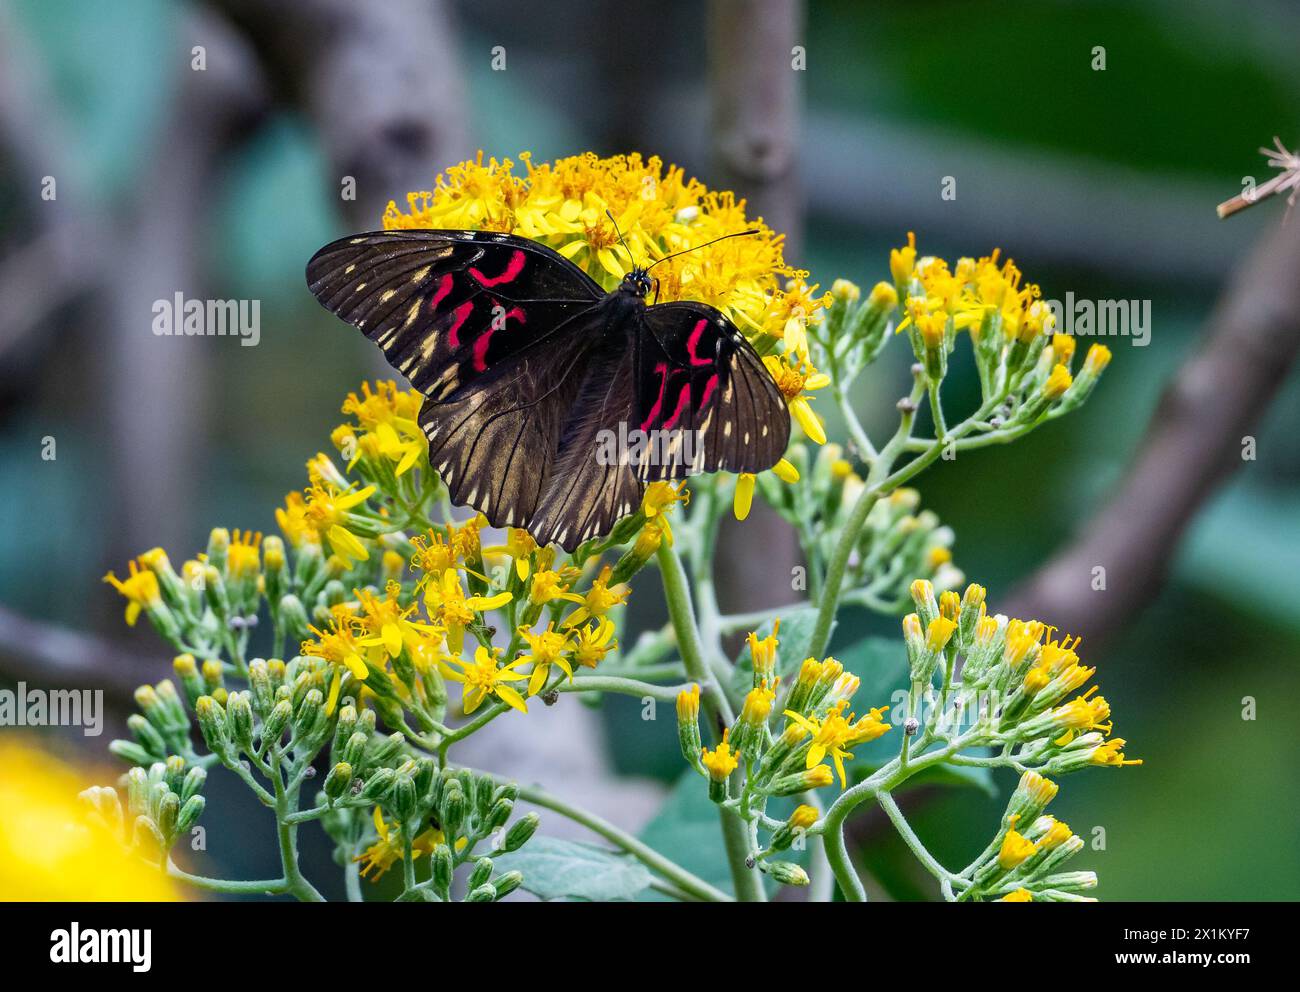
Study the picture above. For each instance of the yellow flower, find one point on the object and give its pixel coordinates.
(338, 645)
(1015, 848)
(1057, 383)
(744, 497)
(599, 600)
(902, 260)
(140, 588)
(388, 623)
(1098, 358)
(48, 851)
(385, 405)
(390, 848)
(593, 643)
(720, 762)
(1111, 754)
(688, 704)
(547, 585)
(835, 732)
(763, 652)
(1019, 895)
(659, 211)
(939, 633)
(293, 521)
(328, 509)
(483, 677)
(520, 546)
(757, 705)
(548, 648)
(433, 555)
(446, 602)
(243, 556)
(792, 378)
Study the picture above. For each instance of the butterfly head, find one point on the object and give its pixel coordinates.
(636, 282)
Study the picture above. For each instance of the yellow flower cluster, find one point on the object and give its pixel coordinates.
(659, 211)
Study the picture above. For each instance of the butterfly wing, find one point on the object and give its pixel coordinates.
(702, 386)
(447, 306)
(590, 487)
(494, 441)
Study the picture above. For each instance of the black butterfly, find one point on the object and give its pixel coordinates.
(525, 361)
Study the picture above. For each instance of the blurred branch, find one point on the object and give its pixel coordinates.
(380, 81)
(755, 105)
(47, 654)
(64, 254)
(1192, 444)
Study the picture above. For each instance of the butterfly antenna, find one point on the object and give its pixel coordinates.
(736, 234)
(619, 233)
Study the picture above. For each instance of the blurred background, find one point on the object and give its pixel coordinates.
(220, 182)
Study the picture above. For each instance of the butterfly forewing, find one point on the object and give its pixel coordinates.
(704, 390)
(445, 306)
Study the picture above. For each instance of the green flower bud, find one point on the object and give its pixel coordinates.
(442, 868)
(145, 732)
(402, 796)
(344, 727)
(169, 808)
(189, 814)
(510, 790)
(498, 815)
(378, 784)
(187, 670)
(520, 832)
(389, 749)
(137, 791)
(276, 721)
(193, 782)
(239, 720)
(452, 809)
(786, 872)
(131, 751)
(355, 748)
(426, 771)
(484, 893)
(174, 772)
(507, 883)
(800, 820)
(259, 684)
(338, 780)
(293, 617)
(106, 804)
(310, 719)
(212, 724)
(482, 873)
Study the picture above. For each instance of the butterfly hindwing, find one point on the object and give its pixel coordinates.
(590, 487)
(706, 392)
(445, 306)
(494, 441)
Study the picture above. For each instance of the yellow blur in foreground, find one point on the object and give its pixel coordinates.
(48, 849)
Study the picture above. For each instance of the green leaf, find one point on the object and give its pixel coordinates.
(792, 647)
(881, 665)
(558, 869)
(687, 830)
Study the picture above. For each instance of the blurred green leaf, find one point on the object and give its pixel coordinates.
(558, 869)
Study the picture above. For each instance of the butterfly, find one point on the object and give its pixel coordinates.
(550, 403)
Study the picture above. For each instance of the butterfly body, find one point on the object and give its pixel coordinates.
(528, 367)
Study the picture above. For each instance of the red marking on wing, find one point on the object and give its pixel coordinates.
(709, 387)
(461, 314)
(481, 345)
(683, 400)
(444, 288)
(513, 268)
(662, 369)
(694, 341)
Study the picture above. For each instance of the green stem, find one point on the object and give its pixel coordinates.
(749, 887)
(628, 687)
(647, 855)
(271, 886)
